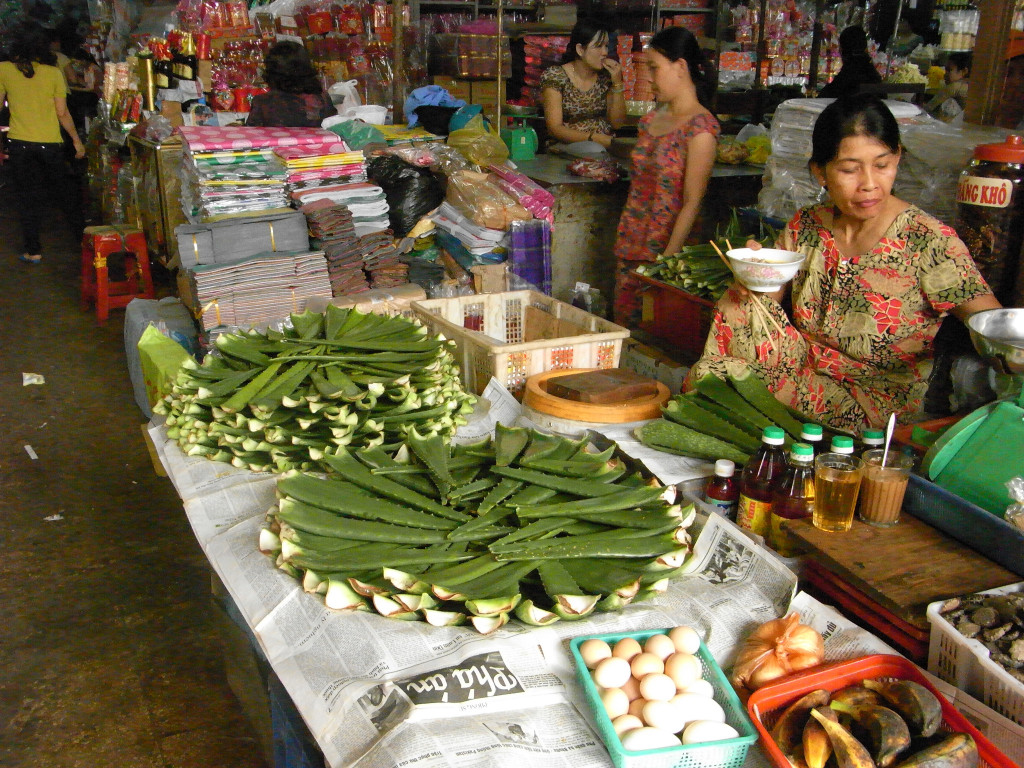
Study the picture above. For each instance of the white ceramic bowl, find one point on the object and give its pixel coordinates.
(764, 270)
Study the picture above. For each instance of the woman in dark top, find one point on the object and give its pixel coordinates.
(296, 98)
(857, 70)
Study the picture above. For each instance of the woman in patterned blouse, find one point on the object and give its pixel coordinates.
(859, 318)
(296, 98)
(583, 96)
(670, 165)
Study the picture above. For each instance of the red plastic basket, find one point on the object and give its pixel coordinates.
(766, 704)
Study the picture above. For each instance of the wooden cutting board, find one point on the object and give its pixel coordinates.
(902, 568)
(606, 386)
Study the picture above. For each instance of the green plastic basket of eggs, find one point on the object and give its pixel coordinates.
(660, 700)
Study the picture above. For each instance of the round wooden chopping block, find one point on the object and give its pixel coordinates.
(539, 399)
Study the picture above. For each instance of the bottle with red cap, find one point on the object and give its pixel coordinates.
(989, 216)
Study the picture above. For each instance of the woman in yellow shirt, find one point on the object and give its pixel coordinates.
(36, 95)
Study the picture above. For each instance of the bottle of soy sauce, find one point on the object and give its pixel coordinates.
(754, 511)
(721, 490)
(793, 498)
(813, 435)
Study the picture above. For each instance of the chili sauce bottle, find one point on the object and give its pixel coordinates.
(754, 511)
(793, 498)
(721, 491)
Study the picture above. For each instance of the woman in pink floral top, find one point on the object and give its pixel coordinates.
(879, 276)
(671, 164)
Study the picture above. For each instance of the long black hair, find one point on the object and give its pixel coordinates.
(29, 44)
(287, 67)
(584, 33)
(679, 43)
(860, 115)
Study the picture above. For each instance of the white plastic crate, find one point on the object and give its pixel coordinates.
(515, 334)
(965, 663)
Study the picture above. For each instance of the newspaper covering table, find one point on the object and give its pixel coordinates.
(378, 693)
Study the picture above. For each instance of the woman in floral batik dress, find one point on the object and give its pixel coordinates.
(880, 274)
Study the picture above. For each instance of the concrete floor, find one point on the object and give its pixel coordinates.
(108, 635)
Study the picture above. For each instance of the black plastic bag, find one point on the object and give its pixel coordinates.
(411, 192)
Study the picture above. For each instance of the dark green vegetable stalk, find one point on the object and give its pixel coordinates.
(283, 400)
(697, 269)
(478, 535)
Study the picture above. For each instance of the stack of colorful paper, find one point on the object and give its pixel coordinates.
(332, 231)
(234, 171)
(367, 203)
(312, 167)
(259, 289)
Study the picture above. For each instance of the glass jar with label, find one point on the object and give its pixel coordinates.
(990, 216)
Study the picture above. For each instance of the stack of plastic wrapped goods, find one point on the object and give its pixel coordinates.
(367, 203)
(310, 167)
(332, 231)
(541, 51)
(259, 289)
(234, 172)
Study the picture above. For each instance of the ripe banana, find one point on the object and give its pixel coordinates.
(788, 730)
(856, 695)
(887, 731)
(849, 752)
(915, 703)
(817, 745)
(958, 750)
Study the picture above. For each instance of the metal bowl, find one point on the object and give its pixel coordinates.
(998, 336)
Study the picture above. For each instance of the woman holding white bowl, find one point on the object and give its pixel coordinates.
(858, 320)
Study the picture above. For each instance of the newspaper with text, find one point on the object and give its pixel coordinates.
(379, 692)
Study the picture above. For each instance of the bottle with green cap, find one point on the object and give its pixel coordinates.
(793, 498)
(872, 438)
(813, 435)
(757, 483)
(842, 444)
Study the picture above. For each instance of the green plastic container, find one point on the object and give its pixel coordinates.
(729, 753)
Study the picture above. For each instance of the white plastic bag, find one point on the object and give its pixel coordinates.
(345, 96)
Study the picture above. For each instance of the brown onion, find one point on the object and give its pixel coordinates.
(775, 649)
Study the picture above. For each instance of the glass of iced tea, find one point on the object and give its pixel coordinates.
(836, 484)
(882, 487)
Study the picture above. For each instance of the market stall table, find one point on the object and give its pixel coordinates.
(886, 577)
(586, 217)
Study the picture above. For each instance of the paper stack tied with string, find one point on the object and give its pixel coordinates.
(262, 288)
(229, 172)
(333, 232)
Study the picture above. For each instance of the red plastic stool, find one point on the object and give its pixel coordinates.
(98, 243)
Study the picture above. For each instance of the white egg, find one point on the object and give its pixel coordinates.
(664, 715)
(660, 645)
(626, 648)
(616, 702)
(648, 738)
(683, 668)
(700, 731)
(657, 687)
(592, 651)
(697, 707)
(612, 672)
(685, 639)
(624, 723)
(700, 687)
(644, 664)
